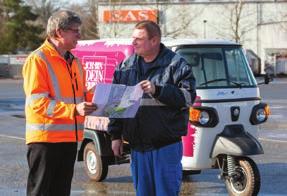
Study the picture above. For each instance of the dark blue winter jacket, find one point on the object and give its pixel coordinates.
(162, 118)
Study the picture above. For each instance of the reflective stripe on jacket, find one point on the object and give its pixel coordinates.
(51, 94)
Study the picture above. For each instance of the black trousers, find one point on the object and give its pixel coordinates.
(51, 168)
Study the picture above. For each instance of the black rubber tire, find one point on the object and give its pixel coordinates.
(96, 167)
(249, 183)
(190, 172)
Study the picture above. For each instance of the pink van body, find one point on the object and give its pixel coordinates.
(99, 59)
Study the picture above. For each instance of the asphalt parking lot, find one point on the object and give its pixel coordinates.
(13, 166)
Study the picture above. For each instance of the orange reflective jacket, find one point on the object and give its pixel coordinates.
(52, 88)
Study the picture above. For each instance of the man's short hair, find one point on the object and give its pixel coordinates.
(62, 19)
(151, 27)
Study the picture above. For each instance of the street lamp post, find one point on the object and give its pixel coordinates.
(204, 28)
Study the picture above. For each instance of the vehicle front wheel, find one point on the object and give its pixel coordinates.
(246, 180)
(96, 167)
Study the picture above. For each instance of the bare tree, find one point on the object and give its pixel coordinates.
(113, 28)
(170, 26)
(183, 28)
(238, 24)
(90, 25)
(283, 21)
(235, 17)
(89, 15)
(44, 9)
(88, 12)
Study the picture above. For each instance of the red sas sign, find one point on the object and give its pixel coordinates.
(127, 16)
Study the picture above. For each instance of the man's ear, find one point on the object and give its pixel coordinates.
(58, 33)
(155, 40)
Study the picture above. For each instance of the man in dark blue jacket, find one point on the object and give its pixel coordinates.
(155, 133)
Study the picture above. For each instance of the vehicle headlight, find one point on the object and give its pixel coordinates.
(203, 116)
(259, 114)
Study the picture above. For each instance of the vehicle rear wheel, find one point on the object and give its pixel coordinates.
(246, 180)
(96, 167)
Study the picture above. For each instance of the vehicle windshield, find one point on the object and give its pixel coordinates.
(218, 67)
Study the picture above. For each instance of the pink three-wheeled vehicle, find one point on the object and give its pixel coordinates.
(224, 119)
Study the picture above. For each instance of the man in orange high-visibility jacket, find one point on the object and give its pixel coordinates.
(55, 106)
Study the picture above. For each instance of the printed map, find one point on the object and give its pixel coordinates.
(117, 100)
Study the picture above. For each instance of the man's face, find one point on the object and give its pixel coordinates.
(142, 44)
(70, 37)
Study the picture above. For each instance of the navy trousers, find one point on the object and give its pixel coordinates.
(157, 172)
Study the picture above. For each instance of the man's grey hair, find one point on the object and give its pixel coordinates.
(62, 19)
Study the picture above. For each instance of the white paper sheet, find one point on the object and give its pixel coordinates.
(117, 100)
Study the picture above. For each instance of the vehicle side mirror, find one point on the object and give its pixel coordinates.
(267, 79)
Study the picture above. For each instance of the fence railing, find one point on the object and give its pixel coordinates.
(11, 65)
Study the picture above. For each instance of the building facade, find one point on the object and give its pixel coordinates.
(260, 26)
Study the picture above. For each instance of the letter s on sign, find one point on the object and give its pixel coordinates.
(143, 15)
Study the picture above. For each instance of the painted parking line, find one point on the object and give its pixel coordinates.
(272, 140)
(11, 137)
(276, 107)
(279, 82)
(277, 101)
(277, 116)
